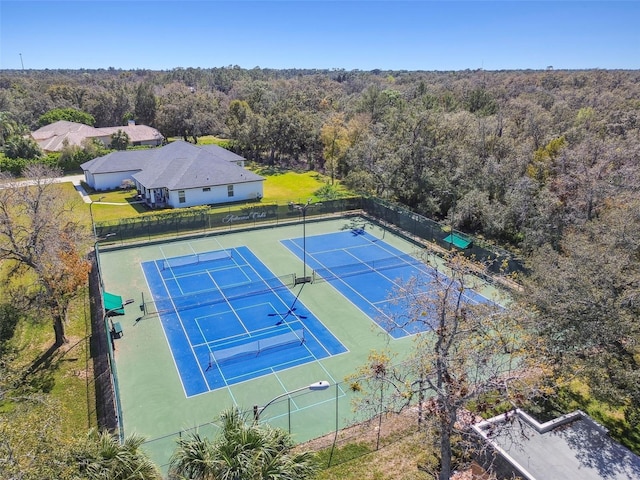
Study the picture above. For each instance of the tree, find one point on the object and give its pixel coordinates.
(119, 140)
(335, 141)
(587, 298)
(8, 127)
(187, 113)
(72, 156)
(237, 121)
(104, 457)
(39, 236)
(481, 102)
(242, 451)
(146, 104)
(68, 114)
(467, 353)
(32, 443)
(18, 146)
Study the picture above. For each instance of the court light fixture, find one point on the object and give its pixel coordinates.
(303, 208)
(320, 385)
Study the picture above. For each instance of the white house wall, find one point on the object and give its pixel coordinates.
(89, 179)
(217, 194)
(108, 181)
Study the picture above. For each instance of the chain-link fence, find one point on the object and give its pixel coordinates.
(105, 377)
(204, 220)
(327, 417)
(180, 222)
(498, 260)
(307, 416)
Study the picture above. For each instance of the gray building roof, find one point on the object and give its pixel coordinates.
(571, 447)
(179, 165)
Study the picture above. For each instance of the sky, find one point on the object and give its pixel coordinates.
(350, 35)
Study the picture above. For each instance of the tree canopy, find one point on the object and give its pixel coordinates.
(242, 450)
(39, 237)
(525, 154)
(467, 353)
(68, 114)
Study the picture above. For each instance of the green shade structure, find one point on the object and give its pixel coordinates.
(458, 241)
(113, 304)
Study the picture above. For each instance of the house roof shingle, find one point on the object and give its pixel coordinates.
(51, 138)
(179, 165)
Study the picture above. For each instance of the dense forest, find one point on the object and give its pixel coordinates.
(516, 156)
(545, 162)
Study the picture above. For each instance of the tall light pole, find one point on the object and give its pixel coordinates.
(454, 198)
(303, 209)
(257, 411)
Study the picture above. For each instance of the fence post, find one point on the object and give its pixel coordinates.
(335, 437)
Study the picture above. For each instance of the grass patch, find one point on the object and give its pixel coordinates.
(577, 395)
(66, 376)
(392, 450)
(206, 140)
(279, 187)
(358, 461)
(295, 187)
(343, 454)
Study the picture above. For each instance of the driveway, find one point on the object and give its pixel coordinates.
(75, 179)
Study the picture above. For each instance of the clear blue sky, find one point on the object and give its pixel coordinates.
(389, 35)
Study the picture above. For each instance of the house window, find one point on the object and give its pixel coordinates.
(230, 190)
(206, 189)
(181, 196)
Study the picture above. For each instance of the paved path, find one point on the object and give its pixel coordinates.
(77, 183)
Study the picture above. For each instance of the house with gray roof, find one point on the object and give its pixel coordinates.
(570, 447)
(176, 175)
(53, 137)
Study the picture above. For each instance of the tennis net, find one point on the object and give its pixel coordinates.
(256, 347)
(196, 258)
(217, 295)
(341, 271)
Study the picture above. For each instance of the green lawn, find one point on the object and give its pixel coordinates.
(279, 187)
(67, 375)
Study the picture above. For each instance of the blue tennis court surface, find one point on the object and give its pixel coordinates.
(227, 319)
(366, 270)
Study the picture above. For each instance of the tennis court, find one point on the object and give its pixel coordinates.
(366, 270)
(206, 302)
(228, 319)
